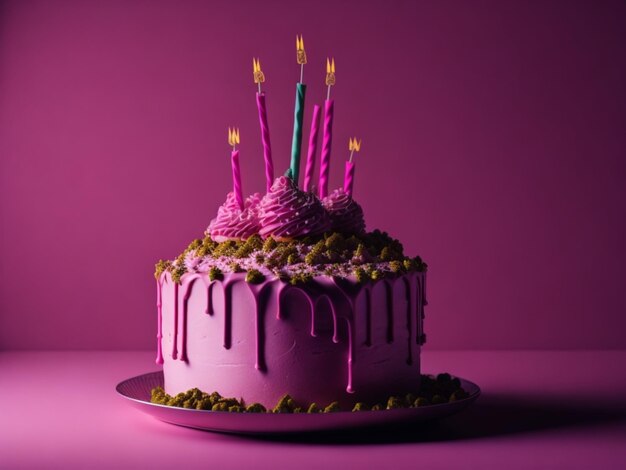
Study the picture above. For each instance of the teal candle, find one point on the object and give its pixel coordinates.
(296, 143)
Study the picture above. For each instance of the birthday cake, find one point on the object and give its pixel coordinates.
(287, 298)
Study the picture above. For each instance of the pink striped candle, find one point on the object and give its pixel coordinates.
(329, 111)
(310, 158)
(265, 137)
(348, 179)
(234, 160)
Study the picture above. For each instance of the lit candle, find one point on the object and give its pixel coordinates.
(233, 140)
(259, 78)
(348, 180)
(310, 158)
(296, 143)
(329, 110)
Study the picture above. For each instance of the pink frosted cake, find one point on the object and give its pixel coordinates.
(287, 293)
(333, 314)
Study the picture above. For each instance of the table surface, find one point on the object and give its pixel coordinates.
(539, 409)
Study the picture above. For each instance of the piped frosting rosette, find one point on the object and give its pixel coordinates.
(286, 212)
(232, 223)
(345, 213)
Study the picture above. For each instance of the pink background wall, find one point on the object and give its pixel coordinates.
(493, 145)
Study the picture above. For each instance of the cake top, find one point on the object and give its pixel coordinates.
(290, 233)
(361, 257)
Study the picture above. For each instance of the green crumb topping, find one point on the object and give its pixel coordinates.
(255, 408)
(220, 406)
(300, 278)
(293, 258)
(315, 256)
(226, 248)
(458, 395)
(360, 406)
(332, 254)
(420, 401)
(161, 267)
(394, 402)
(396, 266)
(269, 245)
(254, 276)
(333, 407)
(235, 267)
(433, 391)
(361, 275)
(284, 405)
(178, 272)
(254, 243)
(215, 274)
(313, 408)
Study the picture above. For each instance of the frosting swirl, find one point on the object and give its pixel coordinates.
(285, 212)
(345, 213)
(232, 223)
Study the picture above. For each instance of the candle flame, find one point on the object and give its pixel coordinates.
(300, 52)
(256, 70)
(330, 71)
(354, 145)
(233, 136)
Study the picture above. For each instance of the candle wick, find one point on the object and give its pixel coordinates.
(351, 154)
(301, 73)
(328, 94)
(259, 88)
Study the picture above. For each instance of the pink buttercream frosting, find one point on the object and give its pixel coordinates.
(286, 212)
(232, 223)
(345, 213)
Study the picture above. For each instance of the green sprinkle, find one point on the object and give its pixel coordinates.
(269, 245)
(333, 407)
(394, 402)
(420, 401)
(313, 408)
(255, 408)
(396, 266)
(161, 267)
(360, 406)
(254, 276)
(235, 267)
(215, 273)
(361, 275)
(284, 405)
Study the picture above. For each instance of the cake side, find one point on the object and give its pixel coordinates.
(329, 339)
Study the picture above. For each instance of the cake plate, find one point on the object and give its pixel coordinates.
(137, 391)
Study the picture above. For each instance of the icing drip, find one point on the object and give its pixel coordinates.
(341, 300)
(345, 213)
(232, 223)
(159, 358)
(286, 212)
(389, 299)
(368, 316)
(174, 348)
(258, 292)
(409, 317)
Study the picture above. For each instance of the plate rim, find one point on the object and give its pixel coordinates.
(464, 401)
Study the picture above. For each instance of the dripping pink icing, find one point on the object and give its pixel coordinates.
(159, 358)
(345, 213)
(232, 223)
(341, 295)
(286, 212)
